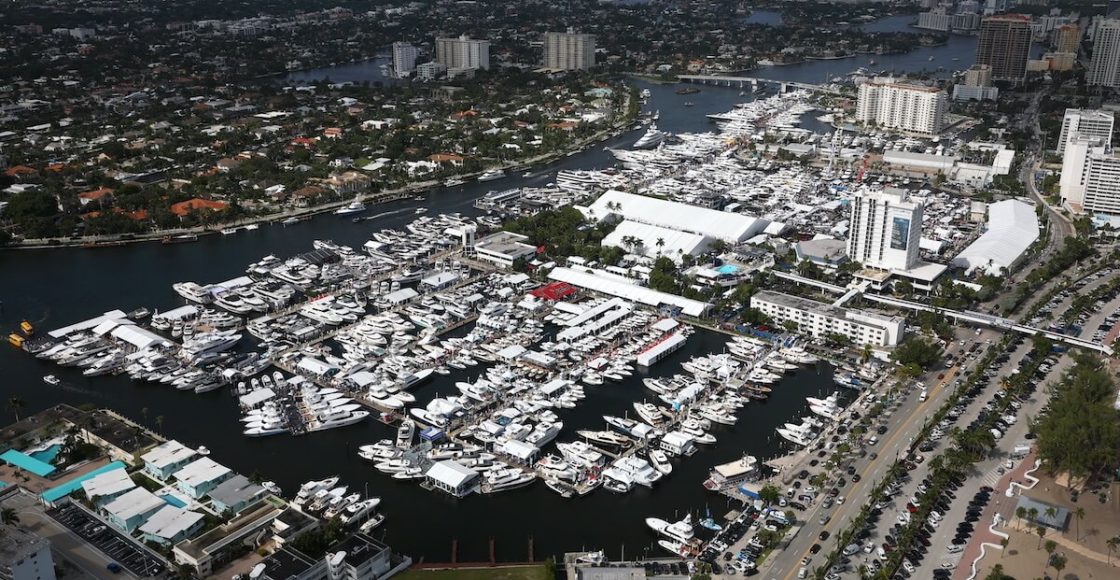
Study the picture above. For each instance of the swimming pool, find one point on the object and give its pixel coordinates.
(173, 501)
(47, 455)
(727, 269)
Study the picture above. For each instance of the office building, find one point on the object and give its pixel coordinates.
(1104, 68)
(1004, 45)
(821, 319)
(900, 106)
(1102, 183)
(569, 50)
(885, 230)
(1087, 122)
(977, 85)
(463, 53)
(24, 555)
(430, 71)
(936, 19)
(1067, 38)
(404, 58)
(1075, 165)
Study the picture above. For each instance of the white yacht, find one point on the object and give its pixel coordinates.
(354, 207)
(652, 138)
(193, 292)
(492, 175)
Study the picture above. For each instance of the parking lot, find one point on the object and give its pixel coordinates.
(123, 552)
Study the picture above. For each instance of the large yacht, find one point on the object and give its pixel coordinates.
(354, 207)
(652, 138)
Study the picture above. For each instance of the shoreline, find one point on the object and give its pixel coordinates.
(379, 198)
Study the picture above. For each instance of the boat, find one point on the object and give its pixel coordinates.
(405, 432)
(453, 182)
(652, 138)
(354, 207)
(492, 175)
(687, 91)
(290, 221)
(681, 531)
(660, 461)
(139, 314)
(179, 239)
(52, 380)
(26, 328)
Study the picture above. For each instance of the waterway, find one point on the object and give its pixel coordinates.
(57, 287)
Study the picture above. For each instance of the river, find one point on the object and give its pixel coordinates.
(53, 288)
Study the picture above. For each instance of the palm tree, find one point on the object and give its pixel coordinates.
(1003, 544)
(1032, 513)
(15, 404)
(1020, 512)
(1041, 531)
(1112, 543)
(9, 516)
(1080, 514)
(1051, 512)
(1058, 562)
(660, 244)
(1050, 546)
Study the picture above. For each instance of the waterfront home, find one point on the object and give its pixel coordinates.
(167, 458)
(347, 182)
(236, 494)
(199, 478)
(132, 509)
(185, 208)
(171, 525)
(105, 487)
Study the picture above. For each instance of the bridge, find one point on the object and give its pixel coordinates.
(966, 316)
(754, 82)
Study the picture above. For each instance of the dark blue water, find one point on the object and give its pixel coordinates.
(53, 288)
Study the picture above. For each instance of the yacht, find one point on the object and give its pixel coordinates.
(492, 175)
(309, 489)
(193, 292)
(204, 346)
(405, 432)
(660, 461)
(681, 531)
(652, 138)
(505, 479)
(354, 207)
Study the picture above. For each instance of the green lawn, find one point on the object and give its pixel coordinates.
(504, 573)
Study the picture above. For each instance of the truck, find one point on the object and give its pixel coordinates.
(1020, 450)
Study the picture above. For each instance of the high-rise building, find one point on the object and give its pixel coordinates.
(885, 230)
(569, 50)
(901, 106)
(463, 53)
(1102, 183)
(24, 555)
(1104, 69)
(1004, 45)
(1075, 165)
(977, 84)
(1087, 122)
(1067, 38)
(404, 58)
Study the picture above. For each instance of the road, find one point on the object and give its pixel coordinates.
(908, 414)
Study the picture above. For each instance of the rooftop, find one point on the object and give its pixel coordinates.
(168, 453)
(201, 471)
(17, 543)
(170, 521)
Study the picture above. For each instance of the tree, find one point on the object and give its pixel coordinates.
(1020, 512)
(769, 494)
(9, 516)
(1112, 543)
(1003, 546)
(15, 404)
(917, 351)
(1041, 531)
(660, 245)
(1050, 546)
(1059, 564)
(997, 574)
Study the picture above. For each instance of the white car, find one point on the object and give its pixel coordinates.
(909, 567)
(954, 549)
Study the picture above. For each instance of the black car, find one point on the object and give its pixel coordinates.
(851, 470)
(803, 474)
(823, 536)
(881, 430)
(815, 548)
(856, 478)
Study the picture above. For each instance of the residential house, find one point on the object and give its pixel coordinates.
(166, 459)
(199, 478)
(133, 508)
